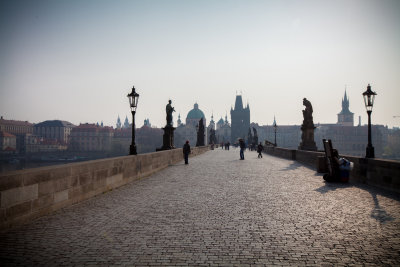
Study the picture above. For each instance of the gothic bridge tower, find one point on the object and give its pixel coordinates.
(240, 119)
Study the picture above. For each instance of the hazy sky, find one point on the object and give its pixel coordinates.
(77, 60)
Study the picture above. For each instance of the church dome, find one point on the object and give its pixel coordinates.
(195, 113)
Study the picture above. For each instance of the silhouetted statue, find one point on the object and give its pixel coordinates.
(213, 139)
(168, 137)
(200, 134)
(169, 109)
(307, 128)
(249, 139)
(255, 138)
(307, 113)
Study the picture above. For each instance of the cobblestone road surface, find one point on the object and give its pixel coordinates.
(218, 211)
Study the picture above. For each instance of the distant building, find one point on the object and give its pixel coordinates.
(37, 144)
(54, 129)
(194, 116)
(223, 131)
(8, 143)
(188, 131)
(18, 128)
(240, 119)
(91, 137)
(121, 141)
(148, 138)
(392, 149)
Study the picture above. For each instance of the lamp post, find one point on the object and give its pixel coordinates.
(275, 128)
(133, 101)
(369, 97)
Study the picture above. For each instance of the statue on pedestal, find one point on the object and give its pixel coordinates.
(255, 138)
(200, 134)
(213, 138)
(307, 128)
(168, 137)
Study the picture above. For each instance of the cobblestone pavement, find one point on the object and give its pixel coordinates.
(218, 211)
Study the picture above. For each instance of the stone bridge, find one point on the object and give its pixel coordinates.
(217, 211)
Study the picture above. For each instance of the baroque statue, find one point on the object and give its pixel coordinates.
(169, 109)
(307, 128)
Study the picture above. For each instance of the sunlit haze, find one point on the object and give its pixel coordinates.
(77, 60)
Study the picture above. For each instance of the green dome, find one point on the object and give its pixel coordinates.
(195, 113)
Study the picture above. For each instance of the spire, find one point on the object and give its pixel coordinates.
(119, 124)
(238, 103)
(345, 102)
(274, 121)
(126, 122)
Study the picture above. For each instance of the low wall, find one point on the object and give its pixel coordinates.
(377, 172)
(31, 193)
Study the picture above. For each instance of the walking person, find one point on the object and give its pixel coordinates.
(186, 151)
(242, 148)
(260, 148)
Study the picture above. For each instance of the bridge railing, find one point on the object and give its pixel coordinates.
(377, 172)
(28, 194)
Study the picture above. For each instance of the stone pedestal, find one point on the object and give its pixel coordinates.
(168, 138)
(307, 139)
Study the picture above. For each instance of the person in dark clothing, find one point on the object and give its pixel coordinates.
(186, 152)
(242, 148)
(260, 148)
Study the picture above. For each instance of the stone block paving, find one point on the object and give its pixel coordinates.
(218, 211)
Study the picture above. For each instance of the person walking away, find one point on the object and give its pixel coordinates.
(242, 148)
(260, 148)
(186, 151)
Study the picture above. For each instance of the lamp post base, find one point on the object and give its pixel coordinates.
(370, 152)
(132, 150)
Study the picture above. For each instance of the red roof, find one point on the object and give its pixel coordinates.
(13, 122)
(5, 134)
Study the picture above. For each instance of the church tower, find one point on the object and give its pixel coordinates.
(119, 124)
(345, 117)
(240, 120)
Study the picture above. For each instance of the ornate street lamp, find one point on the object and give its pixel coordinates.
(369, 97)
(133, 101)
(275, 128)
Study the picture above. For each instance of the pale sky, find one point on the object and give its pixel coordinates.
(77, 60)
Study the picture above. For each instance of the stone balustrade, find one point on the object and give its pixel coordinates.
(28, 194)
(377, 172)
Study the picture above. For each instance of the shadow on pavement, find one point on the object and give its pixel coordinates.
(378, 212)
(327, 187)
(293, 166)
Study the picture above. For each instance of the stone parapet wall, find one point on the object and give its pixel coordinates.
(377, 172)
(31, 193)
